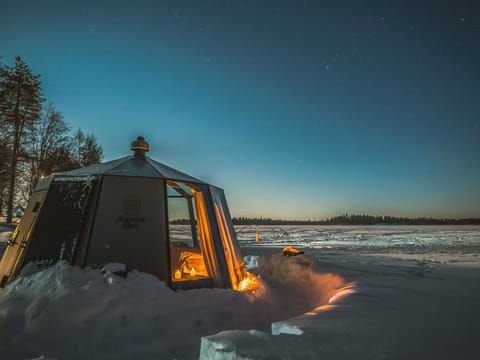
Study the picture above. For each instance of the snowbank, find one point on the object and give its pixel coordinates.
(398, 309)
(64, 312)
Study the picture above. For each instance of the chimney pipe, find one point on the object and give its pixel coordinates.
(140, 147)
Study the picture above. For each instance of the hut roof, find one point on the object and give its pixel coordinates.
(133, 166)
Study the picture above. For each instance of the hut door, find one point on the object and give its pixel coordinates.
(236, 266)
(20, 237)
(192, 256)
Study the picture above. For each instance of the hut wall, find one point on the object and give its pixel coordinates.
(130, 225)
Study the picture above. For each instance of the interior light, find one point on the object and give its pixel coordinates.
(178, 275)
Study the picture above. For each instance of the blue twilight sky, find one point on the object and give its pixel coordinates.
(298, 109)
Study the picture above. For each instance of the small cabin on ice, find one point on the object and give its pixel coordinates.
(135, 211)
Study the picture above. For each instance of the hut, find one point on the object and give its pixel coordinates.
(135, 211)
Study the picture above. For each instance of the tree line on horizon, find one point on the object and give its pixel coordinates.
(358, 219)
(35, 140)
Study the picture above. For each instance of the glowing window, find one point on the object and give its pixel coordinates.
(191, 252)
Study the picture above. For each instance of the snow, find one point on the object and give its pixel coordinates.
(65, 312)
(399, 308)
(5, 231)
(251, 262)
(359, 292)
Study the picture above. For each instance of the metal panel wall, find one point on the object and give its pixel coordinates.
(130, 225)
(60, 221)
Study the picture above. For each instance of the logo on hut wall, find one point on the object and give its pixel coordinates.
(132, 204)
(132, 209)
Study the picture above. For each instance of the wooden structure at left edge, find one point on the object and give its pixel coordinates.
(135, 211)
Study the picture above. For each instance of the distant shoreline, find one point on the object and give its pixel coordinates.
(313, 223)
(337, 220)
(353, 219)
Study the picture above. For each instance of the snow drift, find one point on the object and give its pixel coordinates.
(65, 312)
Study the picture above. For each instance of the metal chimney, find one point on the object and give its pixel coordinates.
(140, 147)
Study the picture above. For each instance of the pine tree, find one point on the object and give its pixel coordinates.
(20, 105)
(84, 149)
(90, 151)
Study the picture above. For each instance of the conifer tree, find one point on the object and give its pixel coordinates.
(84, 149)
(20, 104)
(90, 151)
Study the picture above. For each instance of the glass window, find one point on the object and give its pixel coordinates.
(191, 251)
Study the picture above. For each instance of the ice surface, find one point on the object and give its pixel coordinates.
(284, 327)
(364, 238)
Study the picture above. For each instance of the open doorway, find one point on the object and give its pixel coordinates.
(192, 257)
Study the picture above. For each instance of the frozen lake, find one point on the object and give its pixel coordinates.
(379, 238)
(347, 238)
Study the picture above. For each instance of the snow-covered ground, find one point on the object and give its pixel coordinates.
(415, 295)
(5, 231)
(358, 293)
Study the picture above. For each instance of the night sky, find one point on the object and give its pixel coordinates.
(298, 109)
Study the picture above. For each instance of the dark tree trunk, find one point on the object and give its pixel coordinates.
(13, 162)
